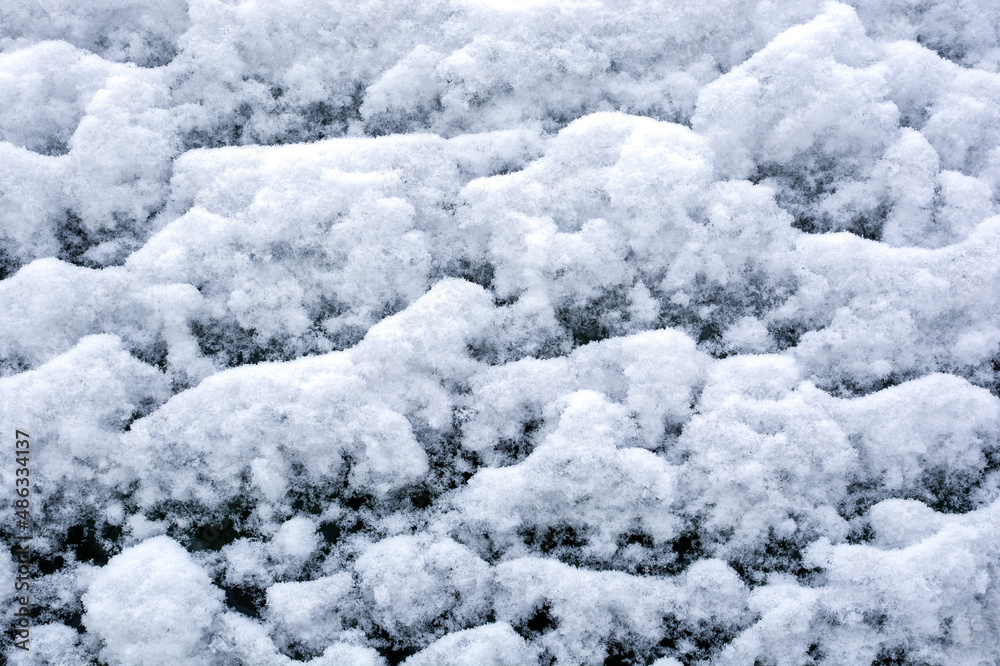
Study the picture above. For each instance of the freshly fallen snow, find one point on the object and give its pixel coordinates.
(465, 332)
(152, 604)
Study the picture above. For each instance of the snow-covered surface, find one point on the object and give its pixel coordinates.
(468, 332)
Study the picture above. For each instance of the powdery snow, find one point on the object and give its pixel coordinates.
(463, 332)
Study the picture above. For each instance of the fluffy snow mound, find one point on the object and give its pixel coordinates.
(465, 332)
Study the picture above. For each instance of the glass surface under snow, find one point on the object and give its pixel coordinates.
(472, 333)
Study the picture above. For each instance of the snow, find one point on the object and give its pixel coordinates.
(152, 604)
(418, 587)
(495, 643)
(309, 613)
(474, 332)
(583, 477)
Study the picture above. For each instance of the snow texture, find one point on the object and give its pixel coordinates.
(463, 332)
